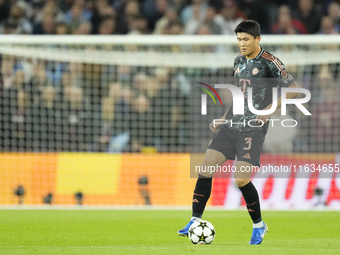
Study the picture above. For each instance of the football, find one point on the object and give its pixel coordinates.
(201, 232)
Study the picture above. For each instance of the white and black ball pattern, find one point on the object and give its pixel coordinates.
(201, 232)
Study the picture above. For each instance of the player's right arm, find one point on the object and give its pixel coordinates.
(216, 123)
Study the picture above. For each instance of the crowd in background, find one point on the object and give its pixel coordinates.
(68, 106)
(174, 17)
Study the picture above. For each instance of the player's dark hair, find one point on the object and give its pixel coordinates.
(250, 27)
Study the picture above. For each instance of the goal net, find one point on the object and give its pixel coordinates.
(107, 120)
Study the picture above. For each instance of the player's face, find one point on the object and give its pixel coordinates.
(248, 44)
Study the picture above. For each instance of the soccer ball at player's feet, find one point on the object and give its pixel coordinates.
(201, 232)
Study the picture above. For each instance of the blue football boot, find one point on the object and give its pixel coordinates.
(184, 231)
(258, 234)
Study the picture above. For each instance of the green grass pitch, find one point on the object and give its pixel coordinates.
(154, 232)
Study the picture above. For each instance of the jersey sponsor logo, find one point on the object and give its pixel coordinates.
(255, 71)
(244, 83)
(247, 156)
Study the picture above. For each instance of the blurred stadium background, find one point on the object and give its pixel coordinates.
(105, 120)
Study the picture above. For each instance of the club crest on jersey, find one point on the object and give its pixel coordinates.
(255, 71)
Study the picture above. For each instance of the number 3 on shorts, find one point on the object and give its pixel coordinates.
(248, 141)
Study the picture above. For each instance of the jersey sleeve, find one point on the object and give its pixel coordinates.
(279, 72)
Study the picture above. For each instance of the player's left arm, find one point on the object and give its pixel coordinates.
(265, 118)
(284, 79)
(289, 95)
